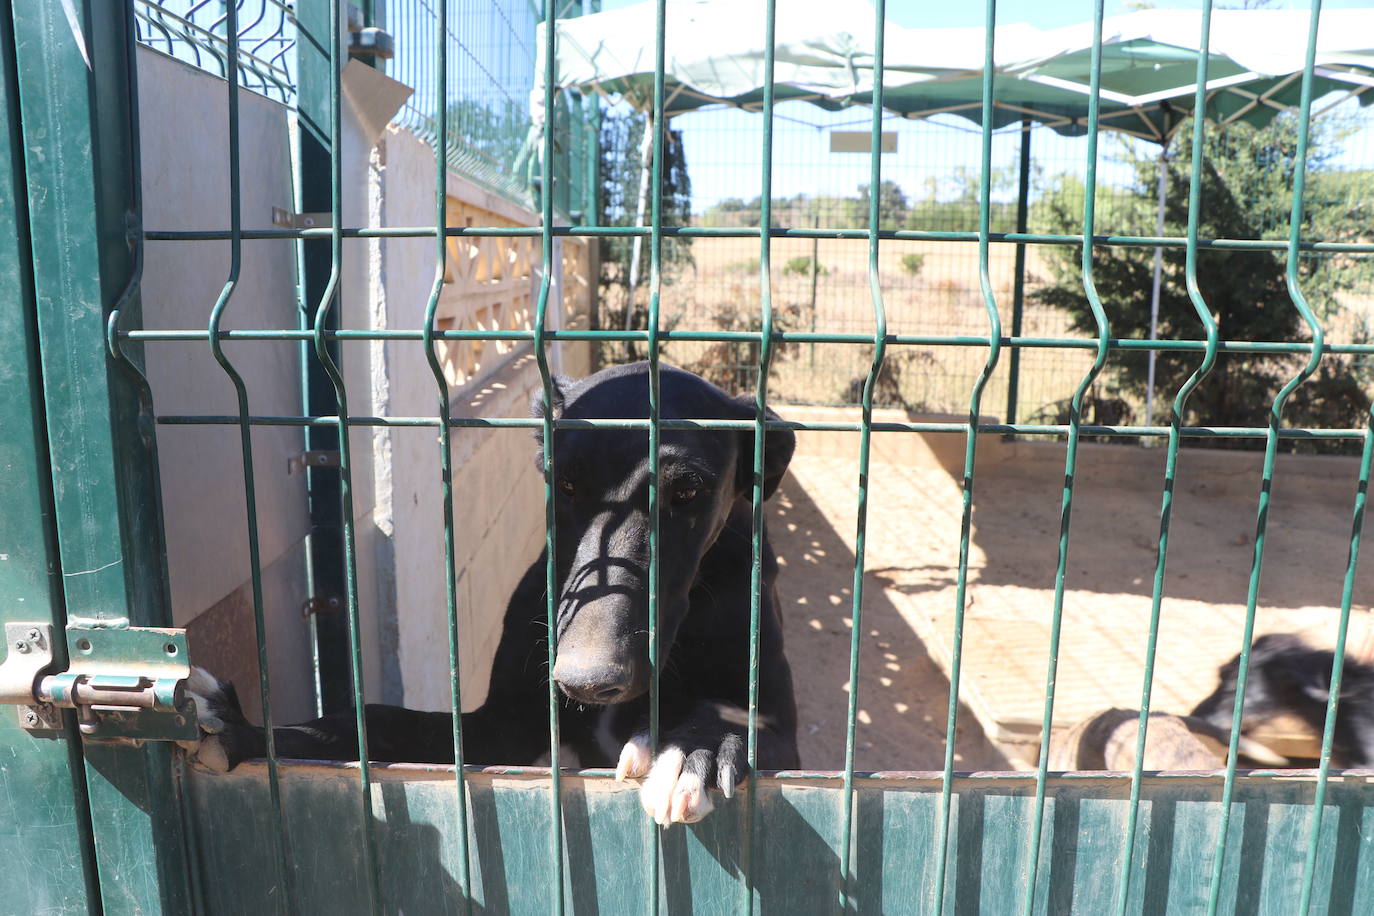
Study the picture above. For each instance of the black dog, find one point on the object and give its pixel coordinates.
(1289, 676)
(602, 563)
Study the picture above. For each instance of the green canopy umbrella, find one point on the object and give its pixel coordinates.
(823, 54)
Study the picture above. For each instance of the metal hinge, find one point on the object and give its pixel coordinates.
(125, 683)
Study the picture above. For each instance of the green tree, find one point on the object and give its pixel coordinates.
(1247, 180)
(618, 205)
(892, 206)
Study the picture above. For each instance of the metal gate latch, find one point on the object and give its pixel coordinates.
(125, 683)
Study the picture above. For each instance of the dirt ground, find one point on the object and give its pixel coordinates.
(942, 297)
(909, 586)
(904, 694)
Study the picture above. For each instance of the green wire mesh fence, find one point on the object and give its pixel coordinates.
(199, 34)
(490, 77)
(471, 114)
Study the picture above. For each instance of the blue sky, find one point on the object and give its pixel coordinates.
(1045, 14)
(723, 152)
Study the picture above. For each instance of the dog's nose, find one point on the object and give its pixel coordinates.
(593, 681)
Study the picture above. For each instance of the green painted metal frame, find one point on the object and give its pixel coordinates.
(50, 834)
(514, 837)
(318, 63)
(656, 124)
(77, 109)
(1270, 453)
(798, 869)
(283, 861)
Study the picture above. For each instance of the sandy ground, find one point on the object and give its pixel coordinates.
(903, 694)
(909, 588)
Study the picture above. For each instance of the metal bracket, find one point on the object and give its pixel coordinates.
(124, 682)
(315, 459)
(367, 41)
(285, 219)
(371, 42)
(28, 657)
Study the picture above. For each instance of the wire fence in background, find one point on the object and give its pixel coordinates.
(820, 284)
(931, 184)
(194, 31)
(490, 66)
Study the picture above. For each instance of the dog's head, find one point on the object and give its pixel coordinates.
(1286, 676)
(602, 522)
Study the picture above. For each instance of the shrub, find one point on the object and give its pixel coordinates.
(802, 266)
(913, 262)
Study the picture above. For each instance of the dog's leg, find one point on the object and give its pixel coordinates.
(222, 724)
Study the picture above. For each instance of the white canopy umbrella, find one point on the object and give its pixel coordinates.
(823, 54)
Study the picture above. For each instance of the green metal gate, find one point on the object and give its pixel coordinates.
(92, 821)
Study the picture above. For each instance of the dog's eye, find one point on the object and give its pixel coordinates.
(685, 495)
(567, 486)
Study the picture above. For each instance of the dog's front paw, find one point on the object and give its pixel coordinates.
(217, 708)
(676, 790)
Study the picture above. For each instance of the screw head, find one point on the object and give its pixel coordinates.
(30, 718)
(21, 645)
(34, 635)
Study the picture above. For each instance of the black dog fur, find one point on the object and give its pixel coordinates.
(1289, 676)
(602, 668)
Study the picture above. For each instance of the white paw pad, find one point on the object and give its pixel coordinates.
(671, 796)
(210, 753)
(635, 758)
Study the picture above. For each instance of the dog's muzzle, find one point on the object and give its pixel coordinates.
(594, 679)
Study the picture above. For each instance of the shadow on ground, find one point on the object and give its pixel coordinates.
(903, 694)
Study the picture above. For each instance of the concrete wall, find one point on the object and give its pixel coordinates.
(385, 284)
(498, 497)
(186, 186)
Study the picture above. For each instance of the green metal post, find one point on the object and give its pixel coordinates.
(1037, 829)
(441, 18)
(994, 341)
(1271, 443)
(59, 829)
(656, 123)
(875, 172)
(1209, 360)
(1018, 287)
(327, 129)
(316, 152)
(1309, 871)
(77, 97)
(279, 838)
(765, 338)
(540, 334)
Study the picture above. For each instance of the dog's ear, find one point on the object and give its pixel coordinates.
(558, 386)
(778, 446)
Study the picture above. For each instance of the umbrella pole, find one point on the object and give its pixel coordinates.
(1018, 289)
(1154, 287)
(646, 153)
